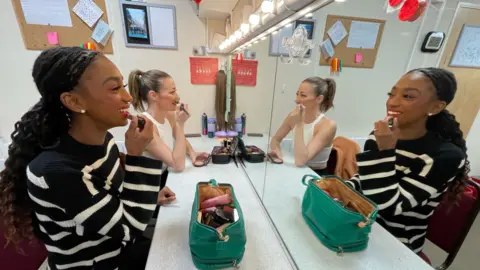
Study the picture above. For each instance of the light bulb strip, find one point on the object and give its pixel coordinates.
(273, 25)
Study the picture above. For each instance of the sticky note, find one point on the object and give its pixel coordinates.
(52, 38)
(358, 57)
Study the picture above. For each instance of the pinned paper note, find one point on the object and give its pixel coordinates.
(88, 11)
(102, 32)
(358, 57)
(326, 48)
(47, 12)
(52, 38)
(337, 32)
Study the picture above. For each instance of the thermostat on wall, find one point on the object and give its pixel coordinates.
(433, 41)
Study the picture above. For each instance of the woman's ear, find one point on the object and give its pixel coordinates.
(437, 107)
(320, 99)
(73, 102)
(152, 94)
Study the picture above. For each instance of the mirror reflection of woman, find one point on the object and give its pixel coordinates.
(408, 168)
(313, 132)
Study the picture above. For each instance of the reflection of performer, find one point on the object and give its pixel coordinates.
(313, 131)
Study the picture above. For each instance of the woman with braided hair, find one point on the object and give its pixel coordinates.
(410, 163)
(63, 181)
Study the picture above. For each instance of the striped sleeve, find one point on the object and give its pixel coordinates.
(396, 193)
(97, 211)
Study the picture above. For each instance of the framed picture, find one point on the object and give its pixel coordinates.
(276, 48)
(147, 25)
(136, 24)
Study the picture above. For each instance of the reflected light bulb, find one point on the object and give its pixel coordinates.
(267, 6)
(245, 27)
(254, 19)
(238, 34)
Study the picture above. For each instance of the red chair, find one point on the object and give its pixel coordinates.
(449, 225)
(32, 259)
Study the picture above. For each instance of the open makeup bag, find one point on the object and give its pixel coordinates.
(339, 216)
(217, 227)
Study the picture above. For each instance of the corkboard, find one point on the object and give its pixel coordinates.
(348, 54)
(35, 36)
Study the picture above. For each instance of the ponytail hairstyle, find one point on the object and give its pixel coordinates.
(444, 123)
(325, 88)
(55, 71)
(140, 83)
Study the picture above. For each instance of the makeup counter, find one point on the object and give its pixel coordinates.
(277, 235)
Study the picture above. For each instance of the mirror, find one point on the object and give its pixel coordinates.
(357, 91)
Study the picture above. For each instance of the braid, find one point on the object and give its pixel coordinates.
(55, 71)
(444, 123)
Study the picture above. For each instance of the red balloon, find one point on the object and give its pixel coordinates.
(197, 1)
(394, 3)
(421, 9)
(408, 10)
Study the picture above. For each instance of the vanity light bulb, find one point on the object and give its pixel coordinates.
(245, 27)
(238, 34)
(267, 6)
(254, 19)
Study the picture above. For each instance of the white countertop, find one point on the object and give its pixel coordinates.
(170, 248)
(282, 192)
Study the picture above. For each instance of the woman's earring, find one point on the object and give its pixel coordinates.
(82, 111)
(430, 114)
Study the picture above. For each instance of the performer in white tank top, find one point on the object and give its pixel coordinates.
(313, 132)
(157, 90)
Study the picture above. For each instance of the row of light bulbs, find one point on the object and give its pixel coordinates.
(267, 7)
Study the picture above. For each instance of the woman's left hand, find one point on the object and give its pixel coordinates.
(166, 196)
(385, 136)
(194, 155)
(298, 115)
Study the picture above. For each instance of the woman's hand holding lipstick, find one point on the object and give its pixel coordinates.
(384, 134)
(297, 116)
(182, 114)
(136, 139)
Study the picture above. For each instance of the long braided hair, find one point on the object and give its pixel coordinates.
(55, 71)
(444, 123)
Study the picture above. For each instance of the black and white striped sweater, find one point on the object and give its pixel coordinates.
(407, 183)
(87, 209)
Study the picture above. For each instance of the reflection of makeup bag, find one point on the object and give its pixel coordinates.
(338, 215)
(220, 155)
(251, 153)
(212, 248)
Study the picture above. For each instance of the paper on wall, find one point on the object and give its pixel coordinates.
(327, 49)
(47, 12)
(102, 32)
(337, 32)
(88, 11)
(363, 35)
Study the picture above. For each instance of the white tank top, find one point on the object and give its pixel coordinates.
(166, 134)
(321, 159)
